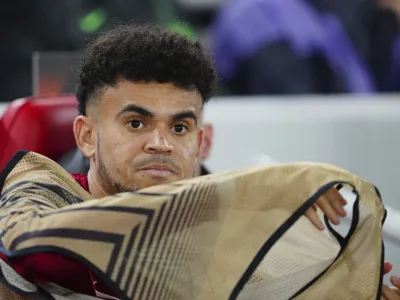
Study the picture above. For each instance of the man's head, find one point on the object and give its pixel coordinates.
(141, 92)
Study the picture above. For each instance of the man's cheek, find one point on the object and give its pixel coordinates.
(191, 149)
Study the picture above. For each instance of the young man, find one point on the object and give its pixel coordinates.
(141, 93)
(140, 97)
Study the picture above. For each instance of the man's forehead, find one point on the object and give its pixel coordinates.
(159, 99)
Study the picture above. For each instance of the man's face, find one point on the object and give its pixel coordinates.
(143, 134)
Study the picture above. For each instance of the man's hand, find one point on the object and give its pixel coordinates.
(331, 203)
(390, 293)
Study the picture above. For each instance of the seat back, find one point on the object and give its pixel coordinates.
(40, 124)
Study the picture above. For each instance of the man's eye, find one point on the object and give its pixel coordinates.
(136, 124)
(180, 128)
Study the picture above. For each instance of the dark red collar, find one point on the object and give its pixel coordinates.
(82, 179)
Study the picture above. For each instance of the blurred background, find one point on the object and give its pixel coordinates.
(300, 80)
(259, 46)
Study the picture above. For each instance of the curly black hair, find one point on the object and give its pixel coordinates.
(144, 53)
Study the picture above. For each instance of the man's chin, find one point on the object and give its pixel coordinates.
(150, 179)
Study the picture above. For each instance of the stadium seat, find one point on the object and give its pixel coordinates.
(39, 124)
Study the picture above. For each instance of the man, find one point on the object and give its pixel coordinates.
(138, 134)
(141, 93)
(140, 113)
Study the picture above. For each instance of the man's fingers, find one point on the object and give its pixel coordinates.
(395, 281)
(336, 200)
(312, 215)
(331, 203)
(314, 206)
(325, 205)
(389, 293)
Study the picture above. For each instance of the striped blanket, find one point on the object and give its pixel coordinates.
(233, 235)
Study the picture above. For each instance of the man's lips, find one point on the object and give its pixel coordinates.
(158, 170)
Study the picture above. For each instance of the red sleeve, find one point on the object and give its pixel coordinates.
(52, 267)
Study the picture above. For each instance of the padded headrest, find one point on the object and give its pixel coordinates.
(43, 125)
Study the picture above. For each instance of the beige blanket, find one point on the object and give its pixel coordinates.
(232, 235)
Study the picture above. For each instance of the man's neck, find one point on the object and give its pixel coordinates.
(95, 187)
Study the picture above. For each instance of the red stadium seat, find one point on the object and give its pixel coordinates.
(39, 124)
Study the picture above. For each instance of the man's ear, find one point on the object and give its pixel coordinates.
(85, 135)
(206, 146)
(200, 141)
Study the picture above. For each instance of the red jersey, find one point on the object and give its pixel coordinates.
(82, 179)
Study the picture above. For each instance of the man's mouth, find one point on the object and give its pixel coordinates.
(158, 170)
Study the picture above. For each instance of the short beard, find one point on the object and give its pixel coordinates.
(116, 186)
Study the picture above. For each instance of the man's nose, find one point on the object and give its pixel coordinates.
(158, 144)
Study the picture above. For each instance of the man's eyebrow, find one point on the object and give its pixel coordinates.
(184, 115)
(137, 109)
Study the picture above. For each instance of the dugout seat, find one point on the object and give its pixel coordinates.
(40, 124)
